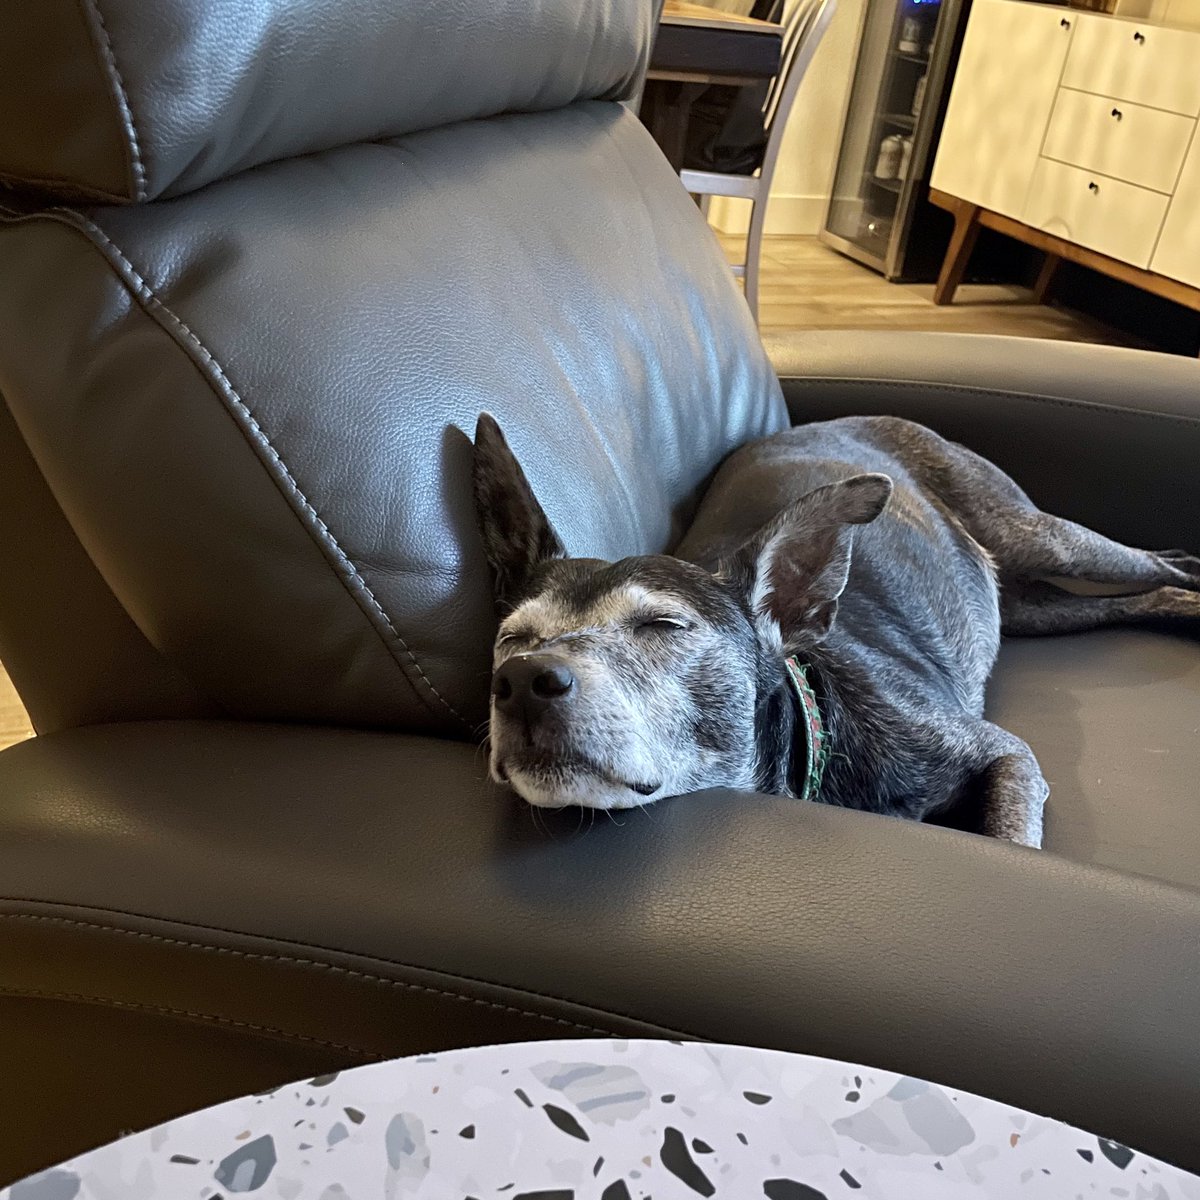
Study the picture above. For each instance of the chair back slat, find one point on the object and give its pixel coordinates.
(797, 26)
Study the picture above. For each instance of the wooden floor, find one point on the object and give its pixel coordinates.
(805, 285)
(14, 724)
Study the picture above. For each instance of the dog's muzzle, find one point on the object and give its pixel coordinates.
(535, 697)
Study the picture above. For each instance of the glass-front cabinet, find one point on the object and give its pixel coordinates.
(896, 102)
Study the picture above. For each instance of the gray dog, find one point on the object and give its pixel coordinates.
(825, 630)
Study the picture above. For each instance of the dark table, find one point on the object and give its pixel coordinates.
(704, 45)
(695, 47)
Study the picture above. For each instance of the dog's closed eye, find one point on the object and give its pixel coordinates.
(661, 623)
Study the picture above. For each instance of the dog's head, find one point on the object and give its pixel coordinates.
(619, 683)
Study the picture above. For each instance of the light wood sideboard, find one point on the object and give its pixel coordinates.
(1075, 132)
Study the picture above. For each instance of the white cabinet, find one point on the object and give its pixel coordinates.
(1105, 215)
(1144, 64)
(1125, 141)
(1008, 73)
(1081, 126)
(1178, 253)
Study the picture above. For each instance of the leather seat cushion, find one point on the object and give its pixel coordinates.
(1114, 720)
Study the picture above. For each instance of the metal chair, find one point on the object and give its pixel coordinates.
(804, 26)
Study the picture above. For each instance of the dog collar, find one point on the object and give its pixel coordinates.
(816, 751)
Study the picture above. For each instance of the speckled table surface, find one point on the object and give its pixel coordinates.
(613, 1120)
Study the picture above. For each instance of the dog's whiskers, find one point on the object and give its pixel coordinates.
(483, 750)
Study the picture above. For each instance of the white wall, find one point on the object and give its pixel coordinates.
(1182, 13)
(805, 170)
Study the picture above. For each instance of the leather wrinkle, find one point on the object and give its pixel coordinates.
(168, 1011)
(137, 167)
(330, 968)
(215, 375)
(74, 190)
(793, 381)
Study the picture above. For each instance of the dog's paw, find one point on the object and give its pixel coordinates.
(1176, 603)
(1184, 566)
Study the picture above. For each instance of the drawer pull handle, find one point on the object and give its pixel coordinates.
(1116, 112)
(1139, 38)
(1065, 23)
(1094, 188)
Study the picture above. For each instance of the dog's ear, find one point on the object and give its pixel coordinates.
(516, 532)
(795, 568)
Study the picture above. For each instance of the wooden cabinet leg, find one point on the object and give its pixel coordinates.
(1045, 279)
(958, 254)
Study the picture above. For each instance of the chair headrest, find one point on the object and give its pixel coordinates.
(123, 101)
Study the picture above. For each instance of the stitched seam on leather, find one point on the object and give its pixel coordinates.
(969, 390)
(316, 964)
(121, 95)
(166, 1010)
(344, 567)
(361, 588)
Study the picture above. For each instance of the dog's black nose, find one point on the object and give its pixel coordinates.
(529, 683)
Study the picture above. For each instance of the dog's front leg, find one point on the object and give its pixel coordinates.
(1009, 785)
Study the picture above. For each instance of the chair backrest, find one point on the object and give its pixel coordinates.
(805, 24)
(261, 267)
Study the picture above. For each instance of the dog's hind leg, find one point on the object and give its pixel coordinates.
(1031, 607)
(1030, 544)
(1025, 542)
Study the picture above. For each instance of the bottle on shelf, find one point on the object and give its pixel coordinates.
(891, 152)
(906, 150)
(919, 95)
(910, 36)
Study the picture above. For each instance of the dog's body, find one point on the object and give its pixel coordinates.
(664, 675)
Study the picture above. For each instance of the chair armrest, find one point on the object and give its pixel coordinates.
(317, 897)
(1106, 436)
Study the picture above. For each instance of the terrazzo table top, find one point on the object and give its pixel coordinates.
(614, 1120)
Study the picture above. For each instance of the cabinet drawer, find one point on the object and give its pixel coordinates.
(1105, 215)
(1127, 141)
(1012, 59)
(1143, 64)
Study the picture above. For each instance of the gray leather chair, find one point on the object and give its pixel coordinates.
(259, 266)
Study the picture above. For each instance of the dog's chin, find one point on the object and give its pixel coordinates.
(569, 784)
(579, 789)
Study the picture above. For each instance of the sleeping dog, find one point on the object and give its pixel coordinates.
(825, 630)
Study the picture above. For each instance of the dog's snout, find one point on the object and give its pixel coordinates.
(528, 683)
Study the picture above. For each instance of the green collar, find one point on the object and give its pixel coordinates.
(816, 748)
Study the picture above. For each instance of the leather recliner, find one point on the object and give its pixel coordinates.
(261, 266)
